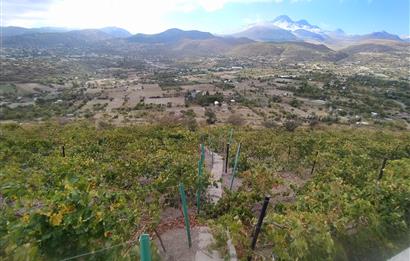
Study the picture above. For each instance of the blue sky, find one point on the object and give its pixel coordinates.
(216, 16)
(353, 16)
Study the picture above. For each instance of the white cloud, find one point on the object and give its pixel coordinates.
(136, 15)
(213, 5)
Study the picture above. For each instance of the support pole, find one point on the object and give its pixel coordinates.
(202, 153)
(381, 172)
(63, 151)
(160, 240)
(228, 144)
(259, 225)
(227, 157)
(314, 164)
(385, 159)
(235, 166)
(230, 136)
(145, 249)
(198, 192)
(200, 171)
(185, 212)
(212, 159)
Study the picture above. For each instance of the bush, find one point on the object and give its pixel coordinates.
(290, 125)
(270, 123)
(189, 120)
(210, 116)
(295, 103)
(236, 119)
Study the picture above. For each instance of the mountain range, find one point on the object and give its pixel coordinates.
(8, 31)
(283, 28)
(279, 37)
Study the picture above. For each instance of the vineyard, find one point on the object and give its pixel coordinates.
(335, 193)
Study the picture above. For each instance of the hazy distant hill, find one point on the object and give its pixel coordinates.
(258, 41)
(116, 32)
(380, 35)
(280, 29)
(380, 46)
(289, 52)
(71, 39)
(366, 48)
(170, 36)
(206, 47)
(15, 30)
(267, 33)
(8, 31)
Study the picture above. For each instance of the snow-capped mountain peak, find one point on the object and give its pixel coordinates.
(303, 22)
(283, 28)
(285, 22)
(282, 18)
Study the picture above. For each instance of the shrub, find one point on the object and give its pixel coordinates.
(210, 116)
(290, 125)
(236, 119)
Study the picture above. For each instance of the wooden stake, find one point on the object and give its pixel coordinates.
(381, 172)
(227, 158)
(385, 159)
(259, 225)
(160, 240)
(235, 165)
(314, 164)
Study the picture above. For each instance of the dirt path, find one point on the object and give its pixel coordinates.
(175, 239)
(177, 249)
(215, 163)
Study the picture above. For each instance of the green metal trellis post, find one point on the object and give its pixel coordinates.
(227, 158)
(200, 171)
(185, 211)
(228, 144)
(145, 249)
(235, 166)
(198, 192)
(202, 153)
(230, 136)
(210, 150)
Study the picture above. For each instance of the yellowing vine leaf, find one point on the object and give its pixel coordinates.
(56, 218)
